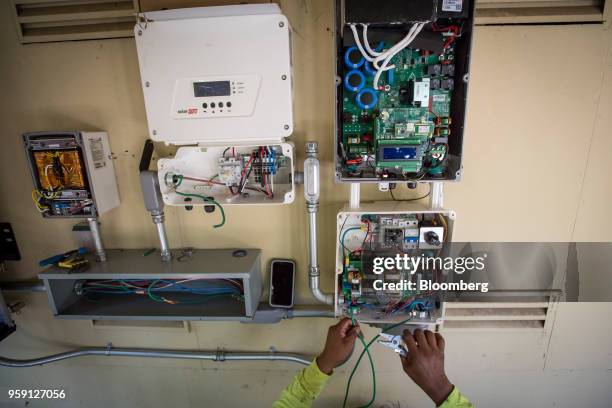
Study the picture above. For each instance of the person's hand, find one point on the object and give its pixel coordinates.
(338, 346)
(424, 363)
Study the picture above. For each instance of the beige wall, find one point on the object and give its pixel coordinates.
(537, 160)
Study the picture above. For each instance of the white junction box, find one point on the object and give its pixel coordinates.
(217, 82)
(386, 229)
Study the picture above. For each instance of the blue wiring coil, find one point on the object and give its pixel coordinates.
(347, 57)
(369, 104)
(351, 75)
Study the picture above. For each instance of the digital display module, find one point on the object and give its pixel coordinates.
(211, 88)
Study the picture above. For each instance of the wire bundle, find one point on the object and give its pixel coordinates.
(407, 304)
(38, 197)
(381, 59)
(154, 289)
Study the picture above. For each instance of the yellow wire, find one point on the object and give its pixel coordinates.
(36, 200)
(445, 226)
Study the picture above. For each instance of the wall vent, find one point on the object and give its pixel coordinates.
(528, 313)
(494, 12)
(68, 20)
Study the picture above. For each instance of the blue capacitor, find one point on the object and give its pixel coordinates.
(390, 76)
(367, 67)
(354, 80)
(353, 58)
(366, 98)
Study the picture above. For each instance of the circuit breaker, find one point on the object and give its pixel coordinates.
(211, 89)
(379, 277)
(72, 172)
(402, 74)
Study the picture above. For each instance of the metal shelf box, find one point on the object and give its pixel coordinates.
(238, 264)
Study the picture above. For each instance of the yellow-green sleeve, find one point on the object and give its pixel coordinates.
(304, 389)
(456, 400)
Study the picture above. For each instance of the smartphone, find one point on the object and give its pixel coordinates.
(282, 282)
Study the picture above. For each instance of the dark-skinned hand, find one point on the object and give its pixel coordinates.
(424, 363)
(338, 346)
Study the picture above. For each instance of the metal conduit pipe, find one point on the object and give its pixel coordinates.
(311, 194)
(97, 237)
(23, 286)
(158, 220)
(310, 313)
(219, 355)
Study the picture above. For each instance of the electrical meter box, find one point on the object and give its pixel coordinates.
(217, 83)
(376, 290)
(72, 172)
(402, 74)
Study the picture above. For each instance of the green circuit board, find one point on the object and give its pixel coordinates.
(406, 131)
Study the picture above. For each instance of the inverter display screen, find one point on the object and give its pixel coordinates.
(211, 88)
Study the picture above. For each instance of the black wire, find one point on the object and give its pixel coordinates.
(225, 151)
(410, 199)
(340, 234)
(261, 168)
(248, 174)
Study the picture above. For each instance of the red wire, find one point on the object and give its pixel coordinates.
(246, 166)
(203, 180)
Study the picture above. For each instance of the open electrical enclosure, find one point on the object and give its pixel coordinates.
(387, 229)
(212, 284)
(401, 118)
(72, 173)
(230, 175)
(210, 89)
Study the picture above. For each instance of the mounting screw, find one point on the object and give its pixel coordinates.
(286, 127)
(154, 132)
(139, 32)
(209, 208)
(284, 77)
(466, 78)
(147, 84)
(281, 24)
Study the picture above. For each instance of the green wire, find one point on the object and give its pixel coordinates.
(207, 200)
(366, 349)
(344, 236)
(153, 297)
